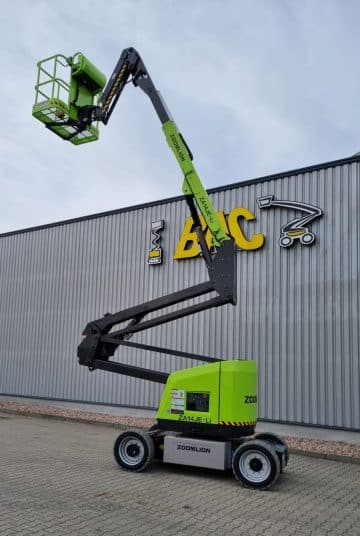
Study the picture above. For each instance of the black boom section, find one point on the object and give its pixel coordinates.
(100, 342)
(130, 68)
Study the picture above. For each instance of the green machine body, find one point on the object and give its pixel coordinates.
(217, 399)
(207, 414)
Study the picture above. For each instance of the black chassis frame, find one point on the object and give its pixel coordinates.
(100, 342)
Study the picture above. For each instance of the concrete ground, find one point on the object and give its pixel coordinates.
(311, 432)
(60, 478)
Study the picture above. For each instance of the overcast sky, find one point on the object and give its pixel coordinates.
(256, 87)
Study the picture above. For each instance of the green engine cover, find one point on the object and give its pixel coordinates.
(222, 394)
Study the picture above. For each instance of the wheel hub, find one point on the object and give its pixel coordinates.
(255, 466)
(132, 451)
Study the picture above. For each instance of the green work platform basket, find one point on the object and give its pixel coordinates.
(64, 85)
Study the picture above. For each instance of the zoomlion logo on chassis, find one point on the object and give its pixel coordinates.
(204, 450)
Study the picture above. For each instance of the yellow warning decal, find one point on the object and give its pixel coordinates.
(228, 423)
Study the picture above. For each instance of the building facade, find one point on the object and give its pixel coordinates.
(297, 315)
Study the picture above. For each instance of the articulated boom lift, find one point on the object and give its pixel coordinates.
(207, 413)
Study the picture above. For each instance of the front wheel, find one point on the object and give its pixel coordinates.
(255, 464)
(134, 450)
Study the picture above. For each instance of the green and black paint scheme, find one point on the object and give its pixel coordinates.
(226, 383)
(207, 412)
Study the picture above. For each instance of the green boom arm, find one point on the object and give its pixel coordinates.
(75, 121)
(192, 184)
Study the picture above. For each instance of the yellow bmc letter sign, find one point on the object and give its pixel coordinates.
(188, 244)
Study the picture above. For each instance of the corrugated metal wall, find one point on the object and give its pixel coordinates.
(298, 310)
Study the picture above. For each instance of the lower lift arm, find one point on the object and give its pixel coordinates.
(99, 344)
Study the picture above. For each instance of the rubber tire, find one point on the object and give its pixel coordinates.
(273, 438)
(147, 444)
(265, 449)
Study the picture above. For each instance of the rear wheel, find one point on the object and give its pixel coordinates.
(134, 450)
(255, 464)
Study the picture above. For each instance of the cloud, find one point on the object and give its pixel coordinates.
(254, 87)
